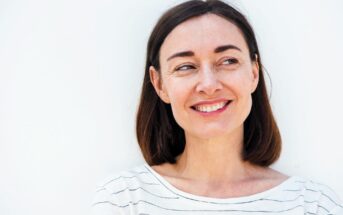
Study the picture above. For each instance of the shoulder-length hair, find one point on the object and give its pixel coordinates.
(160, 138)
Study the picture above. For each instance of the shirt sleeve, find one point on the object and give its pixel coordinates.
(329, 202)
(104, 203)
(338, 210)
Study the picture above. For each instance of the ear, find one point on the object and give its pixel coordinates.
(255, 74)
(156, 80)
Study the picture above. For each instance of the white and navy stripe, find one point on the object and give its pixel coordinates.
(143, 191)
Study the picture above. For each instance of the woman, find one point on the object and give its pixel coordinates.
(205, 126)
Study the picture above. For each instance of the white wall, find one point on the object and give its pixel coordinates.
(70, 76)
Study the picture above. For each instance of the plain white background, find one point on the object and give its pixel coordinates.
(70, 78)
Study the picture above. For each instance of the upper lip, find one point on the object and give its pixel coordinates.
(210, 102)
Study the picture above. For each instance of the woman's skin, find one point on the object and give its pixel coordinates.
(214, 69)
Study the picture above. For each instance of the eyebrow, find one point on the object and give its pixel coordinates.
(216, 50)
(226, 47)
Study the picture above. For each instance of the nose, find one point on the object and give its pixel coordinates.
(208, 81)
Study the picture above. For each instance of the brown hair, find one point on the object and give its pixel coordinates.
(160, 138)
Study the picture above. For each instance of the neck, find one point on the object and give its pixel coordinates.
(214, 160)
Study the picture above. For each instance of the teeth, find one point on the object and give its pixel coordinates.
(210, 108)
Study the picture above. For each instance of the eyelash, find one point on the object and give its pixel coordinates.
(180, 68)
(233, 60)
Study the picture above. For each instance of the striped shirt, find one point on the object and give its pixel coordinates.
(142, 191)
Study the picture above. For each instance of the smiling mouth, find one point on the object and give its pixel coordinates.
(211, 108)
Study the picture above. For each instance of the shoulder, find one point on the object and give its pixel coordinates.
(124, 178)
(119, 188)
(316, 197)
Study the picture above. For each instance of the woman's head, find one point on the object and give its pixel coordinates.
(207, 77)
(203, 61)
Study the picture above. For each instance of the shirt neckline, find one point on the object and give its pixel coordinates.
(255, 196)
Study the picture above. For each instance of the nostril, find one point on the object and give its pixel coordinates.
(209, 86)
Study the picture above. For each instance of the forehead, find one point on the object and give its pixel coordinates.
(202, 34)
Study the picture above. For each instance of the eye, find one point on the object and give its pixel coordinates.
(184, 67)
(230, 61)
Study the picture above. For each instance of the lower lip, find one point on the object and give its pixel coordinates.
(213, 113)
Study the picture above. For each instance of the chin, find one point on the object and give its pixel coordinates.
(211, 133)
(216, 131)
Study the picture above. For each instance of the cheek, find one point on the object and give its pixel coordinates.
(239, 82)
(179, 113)
(179, 94)
(178, 91)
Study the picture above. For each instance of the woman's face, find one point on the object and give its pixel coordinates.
(207, 76)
